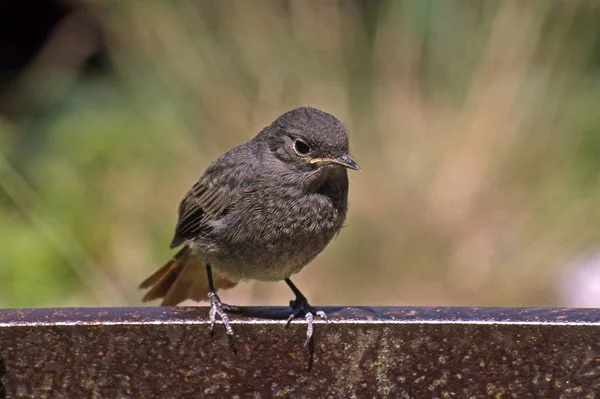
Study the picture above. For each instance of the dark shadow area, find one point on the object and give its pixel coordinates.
(41, 40)
(2, 373)
(277, 312)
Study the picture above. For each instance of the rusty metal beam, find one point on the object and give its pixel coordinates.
(362, 352)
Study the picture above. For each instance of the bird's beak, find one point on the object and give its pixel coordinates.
(345, 160)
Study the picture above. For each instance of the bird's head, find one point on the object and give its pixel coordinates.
(307, 139)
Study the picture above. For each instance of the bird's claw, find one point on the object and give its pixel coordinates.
(322, 315)
(300, 307)
(216, 308)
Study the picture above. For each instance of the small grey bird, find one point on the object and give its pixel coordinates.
(262, 211)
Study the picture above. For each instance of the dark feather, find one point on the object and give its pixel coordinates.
(211, 197)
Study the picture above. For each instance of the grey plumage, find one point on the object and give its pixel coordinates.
(266, 208)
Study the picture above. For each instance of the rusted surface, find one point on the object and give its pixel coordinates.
(361, 352)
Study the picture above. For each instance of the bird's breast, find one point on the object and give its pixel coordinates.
(273, 235)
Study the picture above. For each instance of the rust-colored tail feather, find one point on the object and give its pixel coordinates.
(182, 277)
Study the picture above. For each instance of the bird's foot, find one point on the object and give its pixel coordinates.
(300, 307)
(217, 308)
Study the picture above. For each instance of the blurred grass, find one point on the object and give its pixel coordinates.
(475, 122)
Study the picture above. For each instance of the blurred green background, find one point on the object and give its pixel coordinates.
(476, 124)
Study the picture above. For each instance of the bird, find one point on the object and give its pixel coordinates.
(262, 211)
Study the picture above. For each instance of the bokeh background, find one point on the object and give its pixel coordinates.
(476, 123)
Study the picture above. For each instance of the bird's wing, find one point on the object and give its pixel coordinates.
(210, 198)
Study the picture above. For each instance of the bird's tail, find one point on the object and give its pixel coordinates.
(182, 277)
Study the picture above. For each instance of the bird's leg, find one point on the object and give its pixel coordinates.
(217, 308)
(301, 307)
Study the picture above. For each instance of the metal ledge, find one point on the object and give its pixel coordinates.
(362, 352)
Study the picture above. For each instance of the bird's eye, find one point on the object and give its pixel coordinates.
(301, 148)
